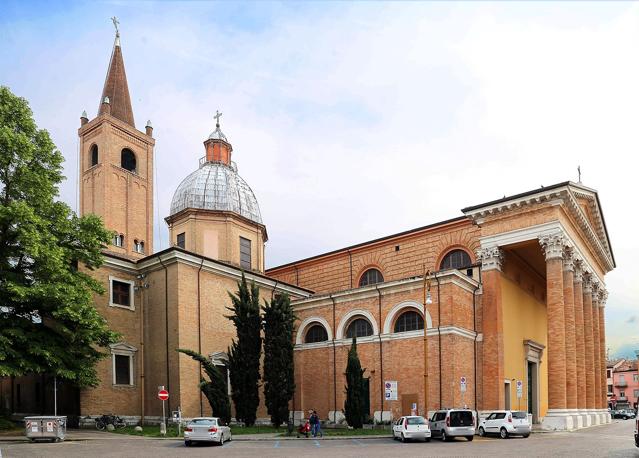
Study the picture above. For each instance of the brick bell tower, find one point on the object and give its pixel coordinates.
(116, 165)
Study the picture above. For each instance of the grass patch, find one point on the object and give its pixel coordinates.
(331, 432)
(172, 431)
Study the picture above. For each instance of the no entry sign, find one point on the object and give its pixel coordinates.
(163, 395)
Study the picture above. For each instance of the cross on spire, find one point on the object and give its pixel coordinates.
(115, 24)
(217, 117)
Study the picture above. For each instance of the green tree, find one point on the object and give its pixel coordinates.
(215, 389)
(355, 392)
(244, 353)
(279, 375)
(48, 323)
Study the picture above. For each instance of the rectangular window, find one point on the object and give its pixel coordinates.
(181, 240)
(622, 394)
(609, 373)
(121, 293)
(622, 378)
(245, 253)
(609, 388)
(635, 377)
(122, 367)
(636, 393)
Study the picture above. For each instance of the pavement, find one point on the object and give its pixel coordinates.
(614, 440)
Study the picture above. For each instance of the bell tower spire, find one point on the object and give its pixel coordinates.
(116, 87)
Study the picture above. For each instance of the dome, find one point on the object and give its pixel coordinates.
(216, 186)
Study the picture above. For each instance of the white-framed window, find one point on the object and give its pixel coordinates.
(122, 357)
(121, 293)
(245, 253)
(138, 246)
(118, 240)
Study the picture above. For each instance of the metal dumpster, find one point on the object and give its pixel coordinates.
(46, 427)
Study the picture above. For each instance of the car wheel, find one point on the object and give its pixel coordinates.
(444, 437)
(403, 438)
(503, 433)
(187, 443)
(470, 438)
(427, 439)
(526, 435)
(482, 432)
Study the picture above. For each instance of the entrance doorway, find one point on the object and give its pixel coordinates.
(408, 400)
(534, 352)
(507, 394)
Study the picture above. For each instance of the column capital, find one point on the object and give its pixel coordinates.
(595, 290)
(553, 245)
(579, 270)
(603, 297)
(491, 258)
(587, 282)
(569, 259)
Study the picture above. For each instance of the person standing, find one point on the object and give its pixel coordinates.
(316, 424)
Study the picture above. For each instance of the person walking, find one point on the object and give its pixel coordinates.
(316, 425)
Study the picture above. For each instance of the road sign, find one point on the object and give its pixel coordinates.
(520, 389)
(390, 389)
(462, 384)
(163, 395)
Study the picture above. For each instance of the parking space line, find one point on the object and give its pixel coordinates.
(317, 444)
(358, 442)
(277, 444)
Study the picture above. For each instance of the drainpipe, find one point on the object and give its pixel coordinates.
(199, 330)
(381, 360)
(274, 288)
(439, 337)
(297, 276)
(166, 328)
(141, 355)
(334, 365)
(475, 342)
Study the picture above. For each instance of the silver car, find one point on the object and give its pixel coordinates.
(206, 429)
(450, 423)
(506, 423)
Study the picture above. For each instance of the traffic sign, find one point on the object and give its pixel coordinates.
(390, 389)
(520, 389)
(462, 384)
(163, 395)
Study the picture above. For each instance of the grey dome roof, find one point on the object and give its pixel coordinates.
(218, 135)
(216, 186)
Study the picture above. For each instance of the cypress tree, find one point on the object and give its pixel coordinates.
(215, 389)
(355, 403)
(244, 353)
(279, 377)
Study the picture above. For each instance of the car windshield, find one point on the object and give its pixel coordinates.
(416, 421)
(520, 415)
(203, 421)
(461, 418)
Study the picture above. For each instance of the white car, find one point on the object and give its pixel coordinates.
(505, 423)
(411, 427)
(206, 429)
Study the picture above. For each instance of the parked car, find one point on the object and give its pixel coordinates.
(505, 423)
(637, 431)
(450, 423)
(623, 414)
(411, 427)
(206, 429)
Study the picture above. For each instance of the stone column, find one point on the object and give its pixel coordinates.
(557, 417)
(602, 351)
(595, 339)
(579, 337)
(493, 329)
(588, 344)
(569, 316)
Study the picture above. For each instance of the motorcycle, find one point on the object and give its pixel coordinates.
(104, 420)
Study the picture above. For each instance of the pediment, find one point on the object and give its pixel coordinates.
(123, 347)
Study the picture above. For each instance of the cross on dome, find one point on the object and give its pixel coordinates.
(217, 117)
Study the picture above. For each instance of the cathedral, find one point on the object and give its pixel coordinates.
(501, 307)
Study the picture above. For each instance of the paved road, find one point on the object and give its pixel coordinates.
(615, 440)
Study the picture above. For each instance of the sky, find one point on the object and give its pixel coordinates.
(351, 121)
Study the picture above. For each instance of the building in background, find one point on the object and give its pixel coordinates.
(624, 384)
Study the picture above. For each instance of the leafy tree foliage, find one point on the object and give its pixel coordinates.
(215, 389)
(48, 323)
(355, 404)
(244, 354)
(279, 376)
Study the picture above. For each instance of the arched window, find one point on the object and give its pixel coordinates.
(127, 160)
(457, 259)
(370, 277)
(316, 333)
(138, 246)
(118, 240)
(94, 155)
(409, 321)
(359, 327)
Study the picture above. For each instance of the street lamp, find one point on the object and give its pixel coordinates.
(427, 301)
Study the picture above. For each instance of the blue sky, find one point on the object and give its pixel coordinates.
(356, 120)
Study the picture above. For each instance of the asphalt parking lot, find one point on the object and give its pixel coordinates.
(614, 440)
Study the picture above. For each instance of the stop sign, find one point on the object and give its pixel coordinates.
(163, 395)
